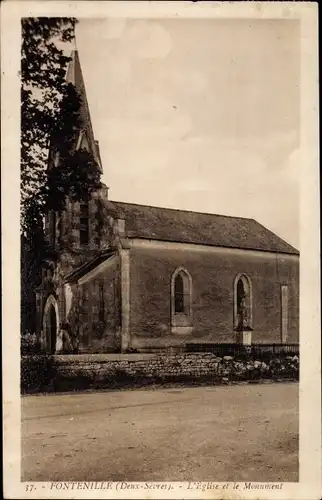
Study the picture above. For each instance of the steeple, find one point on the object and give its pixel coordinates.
(86, 138)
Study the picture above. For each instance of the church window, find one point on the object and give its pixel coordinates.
(284, 313)
(181, 293)
(82, 142)
(178, 294)
(84, 223)
(101, 302)
(243, 303)
(56, 159)
(60, 227)
(53, 228)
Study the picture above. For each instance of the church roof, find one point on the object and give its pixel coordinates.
(85, 268)
(183, 226)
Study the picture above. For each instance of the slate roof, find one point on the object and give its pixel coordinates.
(183, 226)
(88, 266)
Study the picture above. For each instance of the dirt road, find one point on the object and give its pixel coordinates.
(226, 433)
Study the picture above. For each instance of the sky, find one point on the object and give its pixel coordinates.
(198, 114)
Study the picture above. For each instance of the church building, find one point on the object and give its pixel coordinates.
(136, 278)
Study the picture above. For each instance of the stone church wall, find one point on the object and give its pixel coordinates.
(213, 273)
(100, 313)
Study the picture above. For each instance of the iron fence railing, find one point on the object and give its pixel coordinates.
(258, 350)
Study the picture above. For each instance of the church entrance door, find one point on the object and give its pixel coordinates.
(50, 325)
(52, 329)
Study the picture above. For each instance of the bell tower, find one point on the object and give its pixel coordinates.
(85, 139)
(76, 227)
(74, 235)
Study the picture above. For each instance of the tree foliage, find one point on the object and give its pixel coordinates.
(43, 68)
(50, 121)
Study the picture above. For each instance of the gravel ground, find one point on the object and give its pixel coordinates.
(224, 433)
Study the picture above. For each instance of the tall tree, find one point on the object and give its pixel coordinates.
(49, 121)
(43, 68)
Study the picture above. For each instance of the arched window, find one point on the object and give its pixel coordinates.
(84, 222)
(178, 294)
(54, 229)
(240, 293)
(243, 303)
(101, 302)
(181, 299)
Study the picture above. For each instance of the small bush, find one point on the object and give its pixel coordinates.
(29, 344)
(38, 372)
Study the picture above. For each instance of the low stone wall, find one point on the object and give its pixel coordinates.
(98, 371)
